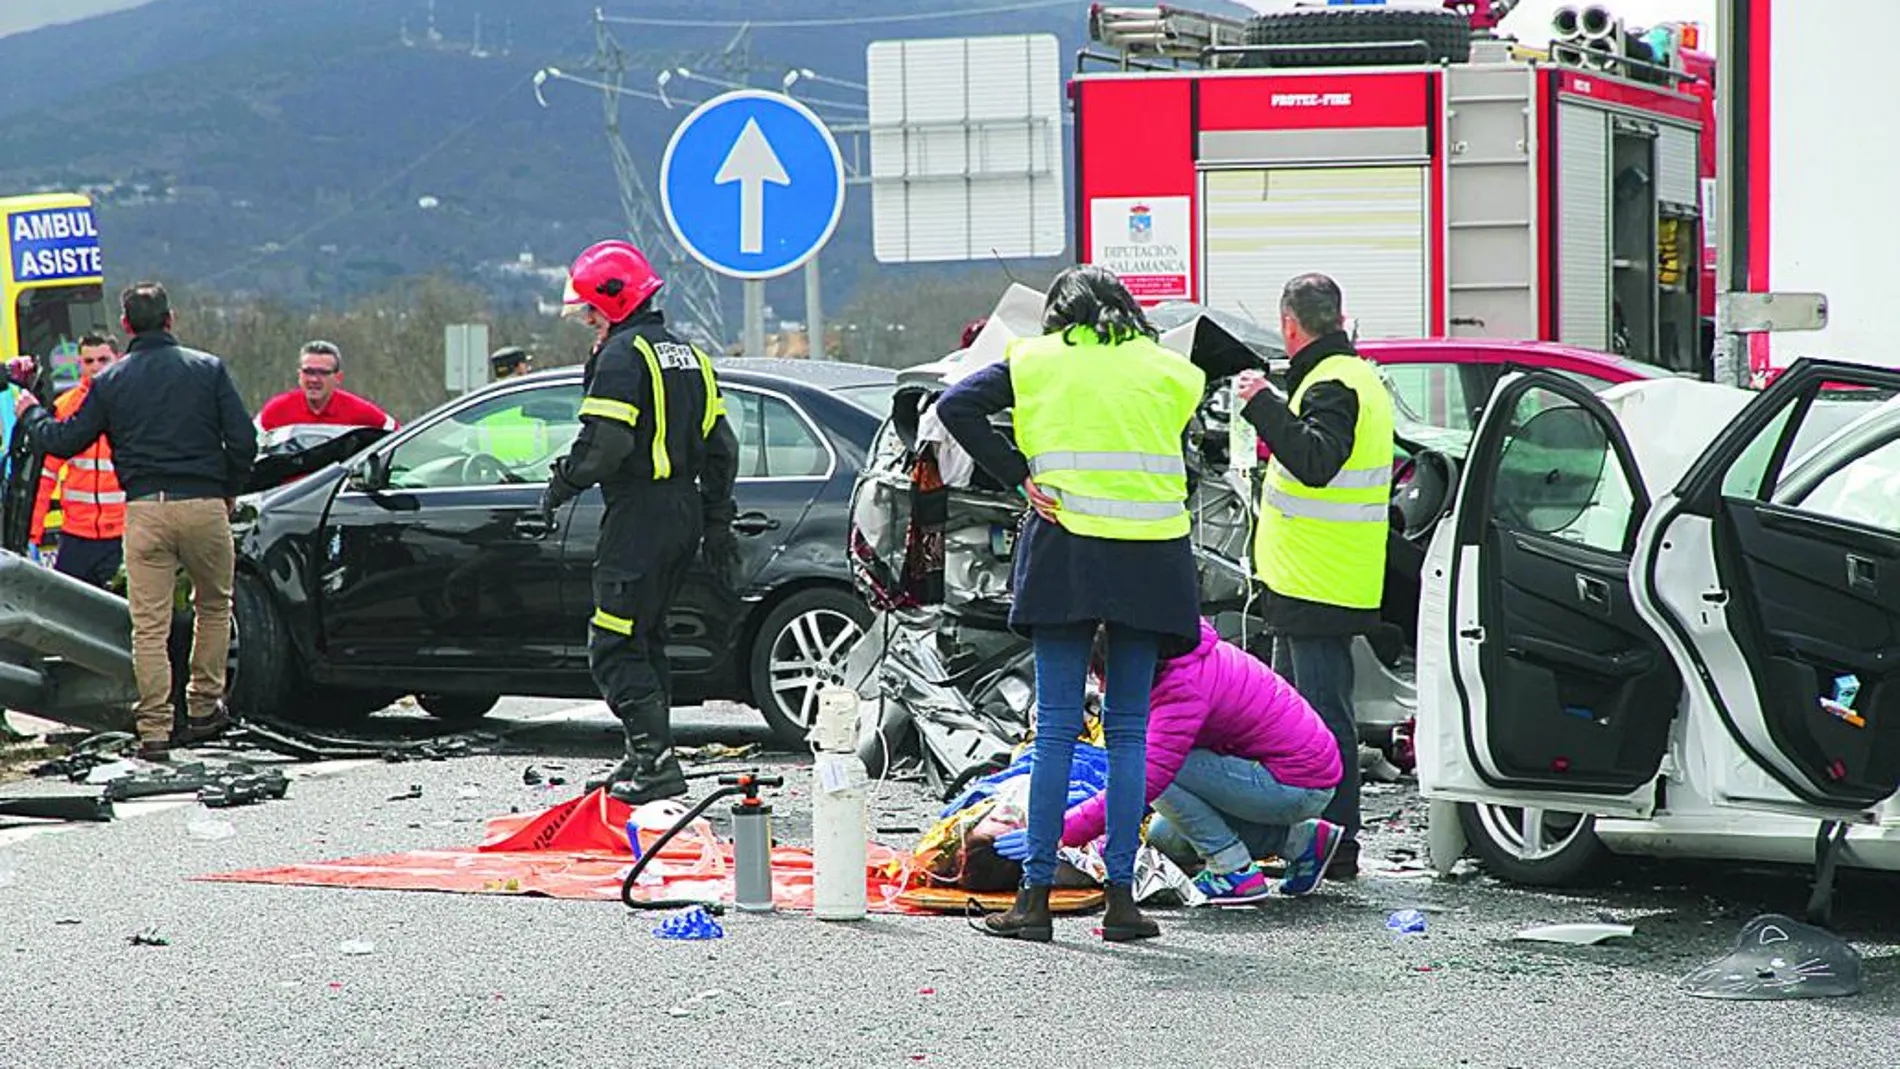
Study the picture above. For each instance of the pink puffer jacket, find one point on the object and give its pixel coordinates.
(1221, 698)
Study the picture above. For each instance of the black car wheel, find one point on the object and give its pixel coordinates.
(800, 648)
(262, 669)
(262, 678)
(458, 708)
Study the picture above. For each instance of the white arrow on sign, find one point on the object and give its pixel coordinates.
(752, 163)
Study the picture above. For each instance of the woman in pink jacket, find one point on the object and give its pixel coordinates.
(1239, 766)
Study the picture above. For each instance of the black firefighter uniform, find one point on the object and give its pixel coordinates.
(655, 439)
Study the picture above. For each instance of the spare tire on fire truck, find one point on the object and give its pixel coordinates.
(1310, 37)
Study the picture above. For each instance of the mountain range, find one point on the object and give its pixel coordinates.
(314, 150)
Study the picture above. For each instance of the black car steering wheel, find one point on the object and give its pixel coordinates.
(480, 469)
(1422, 485)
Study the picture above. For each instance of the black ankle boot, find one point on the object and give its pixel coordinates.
(621, 772)
(655, 771)
(1124, 922)
(1028, 919)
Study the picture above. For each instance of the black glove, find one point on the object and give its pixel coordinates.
(558, 490)
(720, 550)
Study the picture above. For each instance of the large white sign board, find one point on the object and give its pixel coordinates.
(966, 148)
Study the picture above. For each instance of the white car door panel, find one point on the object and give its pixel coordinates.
(1775, 580)
(1539, 683)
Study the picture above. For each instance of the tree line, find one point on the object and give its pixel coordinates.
(393, 340)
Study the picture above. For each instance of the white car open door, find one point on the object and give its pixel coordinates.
(1772, 573)
(1541, 688)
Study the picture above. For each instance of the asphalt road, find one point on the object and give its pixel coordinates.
(254, 975)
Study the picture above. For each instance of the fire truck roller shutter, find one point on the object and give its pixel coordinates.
(1302, 38)
(1583, 227)
(1364, 226)
(1676, 179)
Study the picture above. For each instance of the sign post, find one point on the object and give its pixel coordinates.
(752, 185)
(465, 357)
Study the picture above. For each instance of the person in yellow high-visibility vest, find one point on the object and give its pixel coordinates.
(1319, 548)
(1100, 412)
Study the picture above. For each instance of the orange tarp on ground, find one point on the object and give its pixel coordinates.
(578, 849)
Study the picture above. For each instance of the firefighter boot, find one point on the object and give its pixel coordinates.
(656, 771)
(621, 772)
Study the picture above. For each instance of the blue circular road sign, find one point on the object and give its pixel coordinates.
(752, 184)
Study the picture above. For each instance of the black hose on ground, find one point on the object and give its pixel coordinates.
(639, 865)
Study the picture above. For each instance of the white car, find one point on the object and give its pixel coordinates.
(1664, 619)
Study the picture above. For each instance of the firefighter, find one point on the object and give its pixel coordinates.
(655, 439)
(92, 504)
(1321, 541)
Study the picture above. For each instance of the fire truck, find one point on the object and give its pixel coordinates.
(1456, 183)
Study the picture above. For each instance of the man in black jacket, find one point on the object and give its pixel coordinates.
(1321, 542)
(183, 445)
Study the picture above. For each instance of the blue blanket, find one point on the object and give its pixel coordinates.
(1088, 776)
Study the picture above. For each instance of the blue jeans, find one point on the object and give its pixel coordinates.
(1320, 668)
(1228, 811)
(1062, 664)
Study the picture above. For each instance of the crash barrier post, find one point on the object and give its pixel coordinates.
(837, 809)
(71, 646)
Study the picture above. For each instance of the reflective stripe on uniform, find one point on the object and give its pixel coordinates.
(83, 497)
(662, 460)
(1069, 460)
(91, 464)
(1377, 476)
(715, 404)
(607, 621)
(1336, 511)
(610, 409)
(1109, 508)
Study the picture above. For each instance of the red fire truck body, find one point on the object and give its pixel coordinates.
(1501, 196)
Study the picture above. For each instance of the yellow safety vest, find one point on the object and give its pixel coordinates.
(1101, 426)
(1326, 544)
(511, 437)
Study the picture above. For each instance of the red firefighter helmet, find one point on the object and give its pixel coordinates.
(613, 277)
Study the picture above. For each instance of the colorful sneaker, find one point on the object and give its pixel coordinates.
(1305, 869)
(1233, 888)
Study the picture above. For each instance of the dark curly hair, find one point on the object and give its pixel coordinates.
(1091, 297)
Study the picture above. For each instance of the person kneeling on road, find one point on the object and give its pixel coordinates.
(1239, 767)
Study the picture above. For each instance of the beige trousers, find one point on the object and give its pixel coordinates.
(160, 538)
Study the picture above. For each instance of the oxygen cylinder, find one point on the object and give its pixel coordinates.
(837, 809)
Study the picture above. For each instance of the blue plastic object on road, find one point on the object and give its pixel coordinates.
(694, 923)
(1406, 922)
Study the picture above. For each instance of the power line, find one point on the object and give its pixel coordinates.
(357, 204)
(863, 20)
